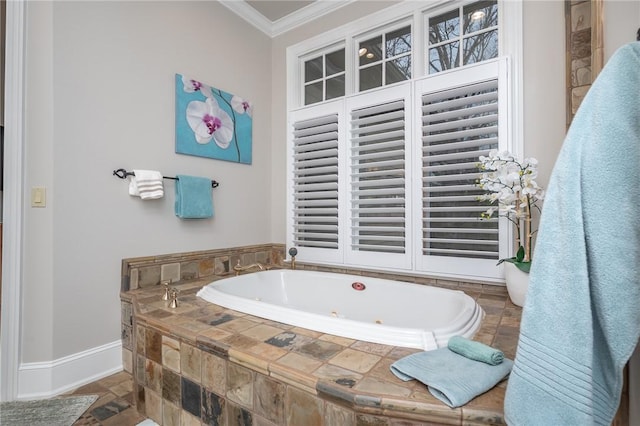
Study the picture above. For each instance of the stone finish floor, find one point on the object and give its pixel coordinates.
(114, 406)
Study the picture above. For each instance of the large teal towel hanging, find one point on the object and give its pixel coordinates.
(581, 318)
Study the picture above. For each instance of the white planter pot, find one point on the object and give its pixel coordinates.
(517, 283)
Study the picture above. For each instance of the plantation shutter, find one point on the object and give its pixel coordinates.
(377, 178)
(315, 182)
(458, 125)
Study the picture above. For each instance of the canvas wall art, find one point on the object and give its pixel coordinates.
(212, 123)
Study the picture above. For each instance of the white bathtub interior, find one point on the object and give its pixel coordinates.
(384, 311)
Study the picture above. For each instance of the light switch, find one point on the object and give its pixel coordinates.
(38, 196)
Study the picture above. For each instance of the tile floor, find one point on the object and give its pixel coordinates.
(114, 406)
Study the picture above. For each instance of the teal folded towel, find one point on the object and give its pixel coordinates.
(193, 197)
(475, 350)
(452, 378)
(581, 319)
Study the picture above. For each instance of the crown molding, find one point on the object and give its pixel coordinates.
(293, 20)
(249, 14)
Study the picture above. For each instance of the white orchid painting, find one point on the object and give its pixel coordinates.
(212, 123)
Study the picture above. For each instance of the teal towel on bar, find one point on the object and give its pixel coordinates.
(452, 378)
(581, 318)
(193, 197)
(475, 350)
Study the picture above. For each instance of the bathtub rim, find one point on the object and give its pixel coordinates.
(465, 324)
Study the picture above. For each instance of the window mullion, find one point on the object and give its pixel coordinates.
(461, 37)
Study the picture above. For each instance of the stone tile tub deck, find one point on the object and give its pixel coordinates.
(203, 364)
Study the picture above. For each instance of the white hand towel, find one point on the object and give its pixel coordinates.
(146, 184)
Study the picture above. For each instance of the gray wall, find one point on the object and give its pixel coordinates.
(100, 95)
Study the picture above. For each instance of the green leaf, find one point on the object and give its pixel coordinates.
(506, 259)
(520, 254)
(523, 266)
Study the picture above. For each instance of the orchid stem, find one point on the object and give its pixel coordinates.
(235, 136)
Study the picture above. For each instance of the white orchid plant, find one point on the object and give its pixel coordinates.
(514, 194)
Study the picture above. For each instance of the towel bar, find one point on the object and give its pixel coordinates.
(122, 174)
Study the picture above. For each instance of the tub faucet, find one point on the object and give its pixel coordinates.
(293, 252)
(239, 268)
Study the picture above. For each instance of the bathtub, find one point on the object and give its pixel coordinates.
(362, 308)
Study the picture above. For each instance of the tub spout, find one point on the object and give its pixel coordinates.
(239, 268)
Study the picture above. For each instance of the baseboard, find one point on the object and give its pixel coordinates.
(38, 380)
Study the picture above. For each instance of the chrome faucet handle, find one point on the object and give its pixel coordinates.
(173, 294)
(165, 283)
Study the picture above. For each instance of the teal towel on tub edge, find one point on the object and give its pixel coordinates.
(452, 378)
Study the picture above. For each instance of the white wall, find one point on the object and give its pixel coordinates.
(100, 95)
(622, 20)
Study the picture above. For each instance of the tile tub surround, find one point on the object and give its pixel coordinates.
(205, 364)
(145, 272)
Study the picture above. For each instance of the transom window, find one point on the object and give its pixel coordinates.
(463, 36)
(385, 59)
(324, 77)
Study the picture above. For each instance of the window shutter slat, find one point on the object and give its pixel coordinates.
(466, 230)
(378, 109)
(379, 137)
(320, 153)
(375, 128)
(315, 182)
(459, 177)
(459, 125)
(326, 170)
(489, 141)
(398, 143)
(332, 143)
(450, 166)
(460, 134)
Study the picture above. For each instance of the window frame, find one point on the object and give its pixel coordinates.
(382, 32)
(460, 38)
(510, 45)
(323, 52)
(474, 73)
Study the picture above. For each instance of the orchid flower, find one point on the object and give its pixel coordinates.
(191, 86)
(208, 120)
(241, 106)
(511, 184)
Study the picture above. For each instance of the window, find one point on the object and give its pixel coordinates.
(463, 36)
(324, 77)
(381, 174)
(378, 169)
(385, 59)
(462, 115)
(315, 181)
